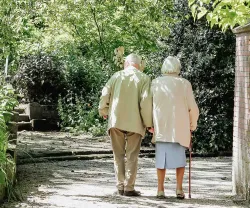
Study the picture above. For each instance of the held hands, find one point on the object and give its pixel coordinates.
(151, 130)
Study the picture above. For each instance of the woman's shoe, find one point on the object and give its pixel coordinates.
(161, 195)
(180, 194)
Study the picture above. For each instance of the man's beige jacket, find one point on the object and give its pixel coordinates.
(175, 111)
(127, 100)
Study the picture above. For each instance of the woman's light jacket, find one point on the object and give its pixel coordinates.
(175, 112)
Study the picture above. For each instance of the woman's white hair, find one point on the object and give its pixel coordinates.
(133, 59)
(171, 65)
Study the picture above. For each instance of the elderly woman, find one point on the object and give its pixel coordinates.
(175, 115)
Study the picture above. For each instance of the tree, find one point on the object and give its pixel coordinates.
(225, 13)
(19, 21)
(98, 27)
(207, 58)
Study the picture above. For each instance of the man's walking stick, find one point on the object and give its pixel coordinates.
(190, 158)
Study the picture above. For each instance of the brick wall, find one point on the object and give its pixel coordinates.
(241, 136)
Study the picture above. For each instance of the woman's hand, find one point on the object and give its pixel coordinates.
(190, 144)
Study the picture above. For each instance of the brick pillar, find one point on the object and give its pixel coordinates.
(241, 135)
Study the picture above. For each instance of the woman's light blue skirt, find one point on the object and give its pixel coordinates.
(169, 155)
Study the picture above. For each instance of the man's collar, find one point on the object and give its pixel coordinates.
(131, 67)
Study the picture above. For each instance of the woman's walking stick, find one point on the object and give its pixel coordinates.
(189, 175)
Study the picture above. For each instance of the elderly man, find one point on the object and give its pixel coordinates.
(127, 103)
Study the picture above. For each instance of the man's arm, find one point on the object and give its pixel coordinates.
(105, 100)
(146, 104)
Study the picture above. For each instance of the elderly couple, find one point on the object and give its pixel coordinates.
(167, 108)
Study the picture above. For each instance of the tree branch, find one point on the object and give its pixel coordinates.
(99, 31)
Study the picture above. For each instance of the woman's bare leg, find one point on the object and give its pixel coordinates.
(179, 177)
(161, 178)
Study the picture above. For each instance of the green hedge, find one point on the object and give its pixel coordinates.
(208, 61)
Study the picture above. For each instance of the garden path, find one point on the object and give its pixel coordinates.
(91, 183)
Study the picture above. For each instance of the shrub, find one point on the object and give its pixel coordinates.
(40, 79)
(84, 76)
(79, 107)
(207, 57)
(7, 103)
(82, 116)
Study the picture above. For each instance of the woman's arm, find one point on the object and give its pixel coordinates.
(192, 108)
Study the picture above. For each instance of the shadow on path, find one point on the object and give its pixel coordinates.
(80, 184)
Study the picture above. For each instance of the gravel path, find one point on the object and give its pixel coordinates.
(91, 183)
(83, 184)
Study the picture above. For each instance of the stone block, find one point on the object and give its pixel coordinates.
(19, 110)
(15, 116)
(12, 127)
(44, 125)
(23, 117)
(50, 112)
(39, 124)
(12, 138)
(34, 111)
(24, 126)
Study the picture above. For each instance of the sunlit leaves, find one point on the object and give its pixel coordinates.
(19, 21)
(104, 25)
(31, 26)
(202, 12)
(225, 13)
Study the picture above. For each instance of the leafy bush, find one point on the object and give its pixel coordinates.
(7, 103)
(82, 116)
(40, 79)
(79, 107)
(77, 79)
(207, 57)
(84, 76)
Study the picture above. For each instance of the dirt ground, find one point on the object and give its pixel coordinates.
(91, 183)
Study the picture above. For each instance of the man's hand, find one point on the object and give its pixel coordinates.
(105, 117)
(151, 130)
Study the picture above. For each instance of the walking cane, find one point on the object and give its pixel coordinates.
(190, 158)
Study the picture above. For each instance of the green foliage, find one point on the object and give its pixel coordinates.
(7, 103)
(102, 25)
(78, 108)
(77, 113)
(40, 79)
(84, 77)
(207, 60)
(20, 21)
(80, 37)
(225, 14)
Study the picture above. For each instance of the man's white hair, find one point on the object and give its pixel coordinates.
(133, 59)
(171, 65)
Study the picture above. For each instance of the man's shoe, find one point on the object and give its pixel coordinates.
(132, 193)
(120, 192)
